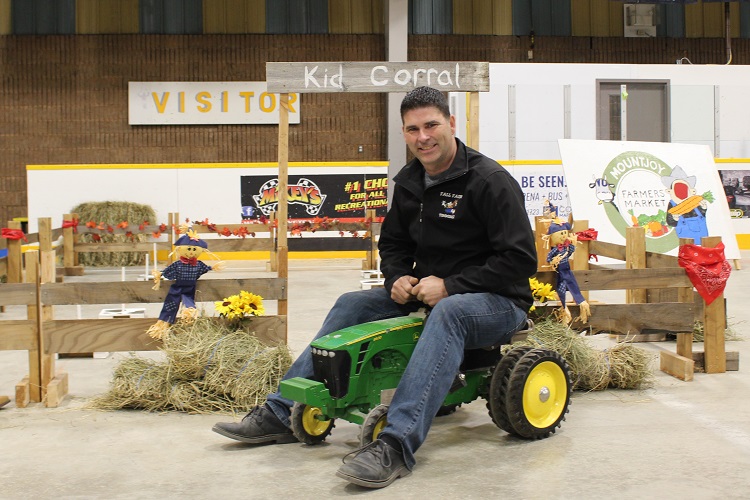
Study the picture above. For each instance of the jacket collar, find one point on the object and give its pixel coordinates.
(411, 176)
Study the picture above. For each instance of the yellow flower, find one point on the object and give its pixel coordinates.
(241, 305)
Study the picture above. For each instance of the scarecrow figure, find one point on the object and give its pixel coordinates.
(687, 210)
(185, 272)
(562, 245)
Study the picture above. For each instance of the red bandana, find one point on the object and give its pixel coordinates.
(707, 269)
(192, 261)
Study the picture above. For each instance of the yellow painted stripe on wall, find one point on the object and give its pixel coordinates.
(136, 166)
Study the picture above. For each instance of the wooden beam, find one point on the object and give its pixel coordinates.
(56, 390)
(633, 319)
(140, 292)
(732, 361)
(129, 334)
(23, 394)
(676, 365)
(714, 325)
(623, 279)
(4, 400)
(18, 294)
(18, 335)
(635, 258)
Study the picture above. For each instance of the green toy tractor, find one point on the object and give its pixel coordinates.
(358, 368)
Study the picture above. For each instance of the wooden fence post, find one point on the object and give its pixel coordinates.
(371, 259)
(34, 314)
(635, 258)
(46, 275)
(581, 255)
(714, 325)
(274, 235)
(15, 256)
(685, 294)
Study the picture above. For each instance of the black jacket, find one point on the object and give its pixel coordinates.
(471, 229)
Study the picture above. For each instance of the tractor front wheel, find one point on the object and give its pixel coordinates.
(307, 425)
(538, 393)
(374, 423)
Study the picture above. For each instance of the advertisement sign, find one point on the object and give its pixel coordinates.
(337, 196)
(671, 190)
(540, 184)
(206, 103)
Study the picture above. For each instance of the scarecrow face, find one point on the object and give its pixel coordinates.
(680, 191)
(559, 237)
(189, 251)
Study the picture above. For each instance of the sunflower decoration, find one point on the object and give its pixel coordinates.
(541, 292)
(241, 305)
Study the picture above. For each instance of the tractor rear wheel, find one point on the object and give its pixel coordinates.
(538, 394)
(496, 401)
(307, 426)
(374, 423)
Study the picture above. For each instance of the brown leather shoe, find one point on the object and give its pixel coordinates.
(375, 465)
(259, 426)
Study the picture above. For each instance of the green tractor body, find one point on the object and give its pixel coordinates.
(357, 369)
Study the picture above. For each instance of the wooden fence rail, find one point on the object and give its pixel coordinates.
(43, 336)
(659, 297)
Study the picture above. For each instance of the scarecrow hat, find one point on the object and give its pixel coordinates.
(188, 240)
(557, 226)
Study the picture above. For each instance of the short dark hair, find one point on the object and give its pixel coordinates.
(423, 97)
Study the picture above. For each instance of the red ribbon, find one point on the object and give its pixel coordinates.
(589, 235)
(14, 234)
(71, 223)
(192, 261)
(707, 269)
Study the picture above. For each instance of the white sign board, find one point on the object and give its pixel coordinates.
(316, 77)
(206, 103)
(672, 190)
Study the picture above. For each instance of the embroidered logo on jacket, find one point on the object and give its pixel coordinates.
(449, 206)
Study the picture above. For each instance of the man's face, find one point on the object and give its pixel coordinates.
(429, 136)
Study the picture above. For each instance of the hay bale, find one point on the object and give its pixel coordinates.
(112, 213)
(211, 366)
(623, 366)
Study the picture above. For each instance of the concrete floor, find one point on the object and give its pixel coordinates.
(676, 440)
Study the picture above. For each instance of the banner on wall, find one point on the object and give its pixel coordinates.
(736, 184)
(206, 103)
(671, 190)
(540, 184)
(338, 196)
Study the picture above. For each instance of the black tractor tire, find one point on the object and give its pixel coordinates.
(538, 394)
(306, 427)
(375, 421)
(496, 402)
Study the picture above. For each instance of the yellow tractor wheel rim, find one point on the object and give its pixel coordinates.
(544, 394)
(314, 426)
(379, 426)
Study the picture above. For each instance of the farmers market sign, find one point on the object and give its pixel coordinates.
(647, 192)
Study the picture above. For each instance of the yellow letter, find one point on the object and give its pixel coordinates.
(271, 106)
(202, 97)
(247, 96)
(160, 105)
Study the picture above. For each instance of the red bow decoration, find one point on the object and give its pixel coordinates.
(14, 234)
(71, 223)
(192, 261)
(707, 269)
(590, 234)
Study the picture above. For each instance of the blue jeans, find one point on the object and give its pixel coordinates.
(457, 322)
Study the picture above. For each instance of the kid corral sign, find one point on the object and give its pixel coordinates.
(315, 77)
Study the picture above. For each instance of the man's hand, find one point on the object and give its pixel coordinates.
(402, 290)
(430, 290)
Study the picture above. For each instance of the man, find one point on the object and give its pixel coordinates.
(457, 239)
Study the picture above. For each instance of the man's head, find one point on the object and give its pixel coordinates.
(422, 97)
(429, 129)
